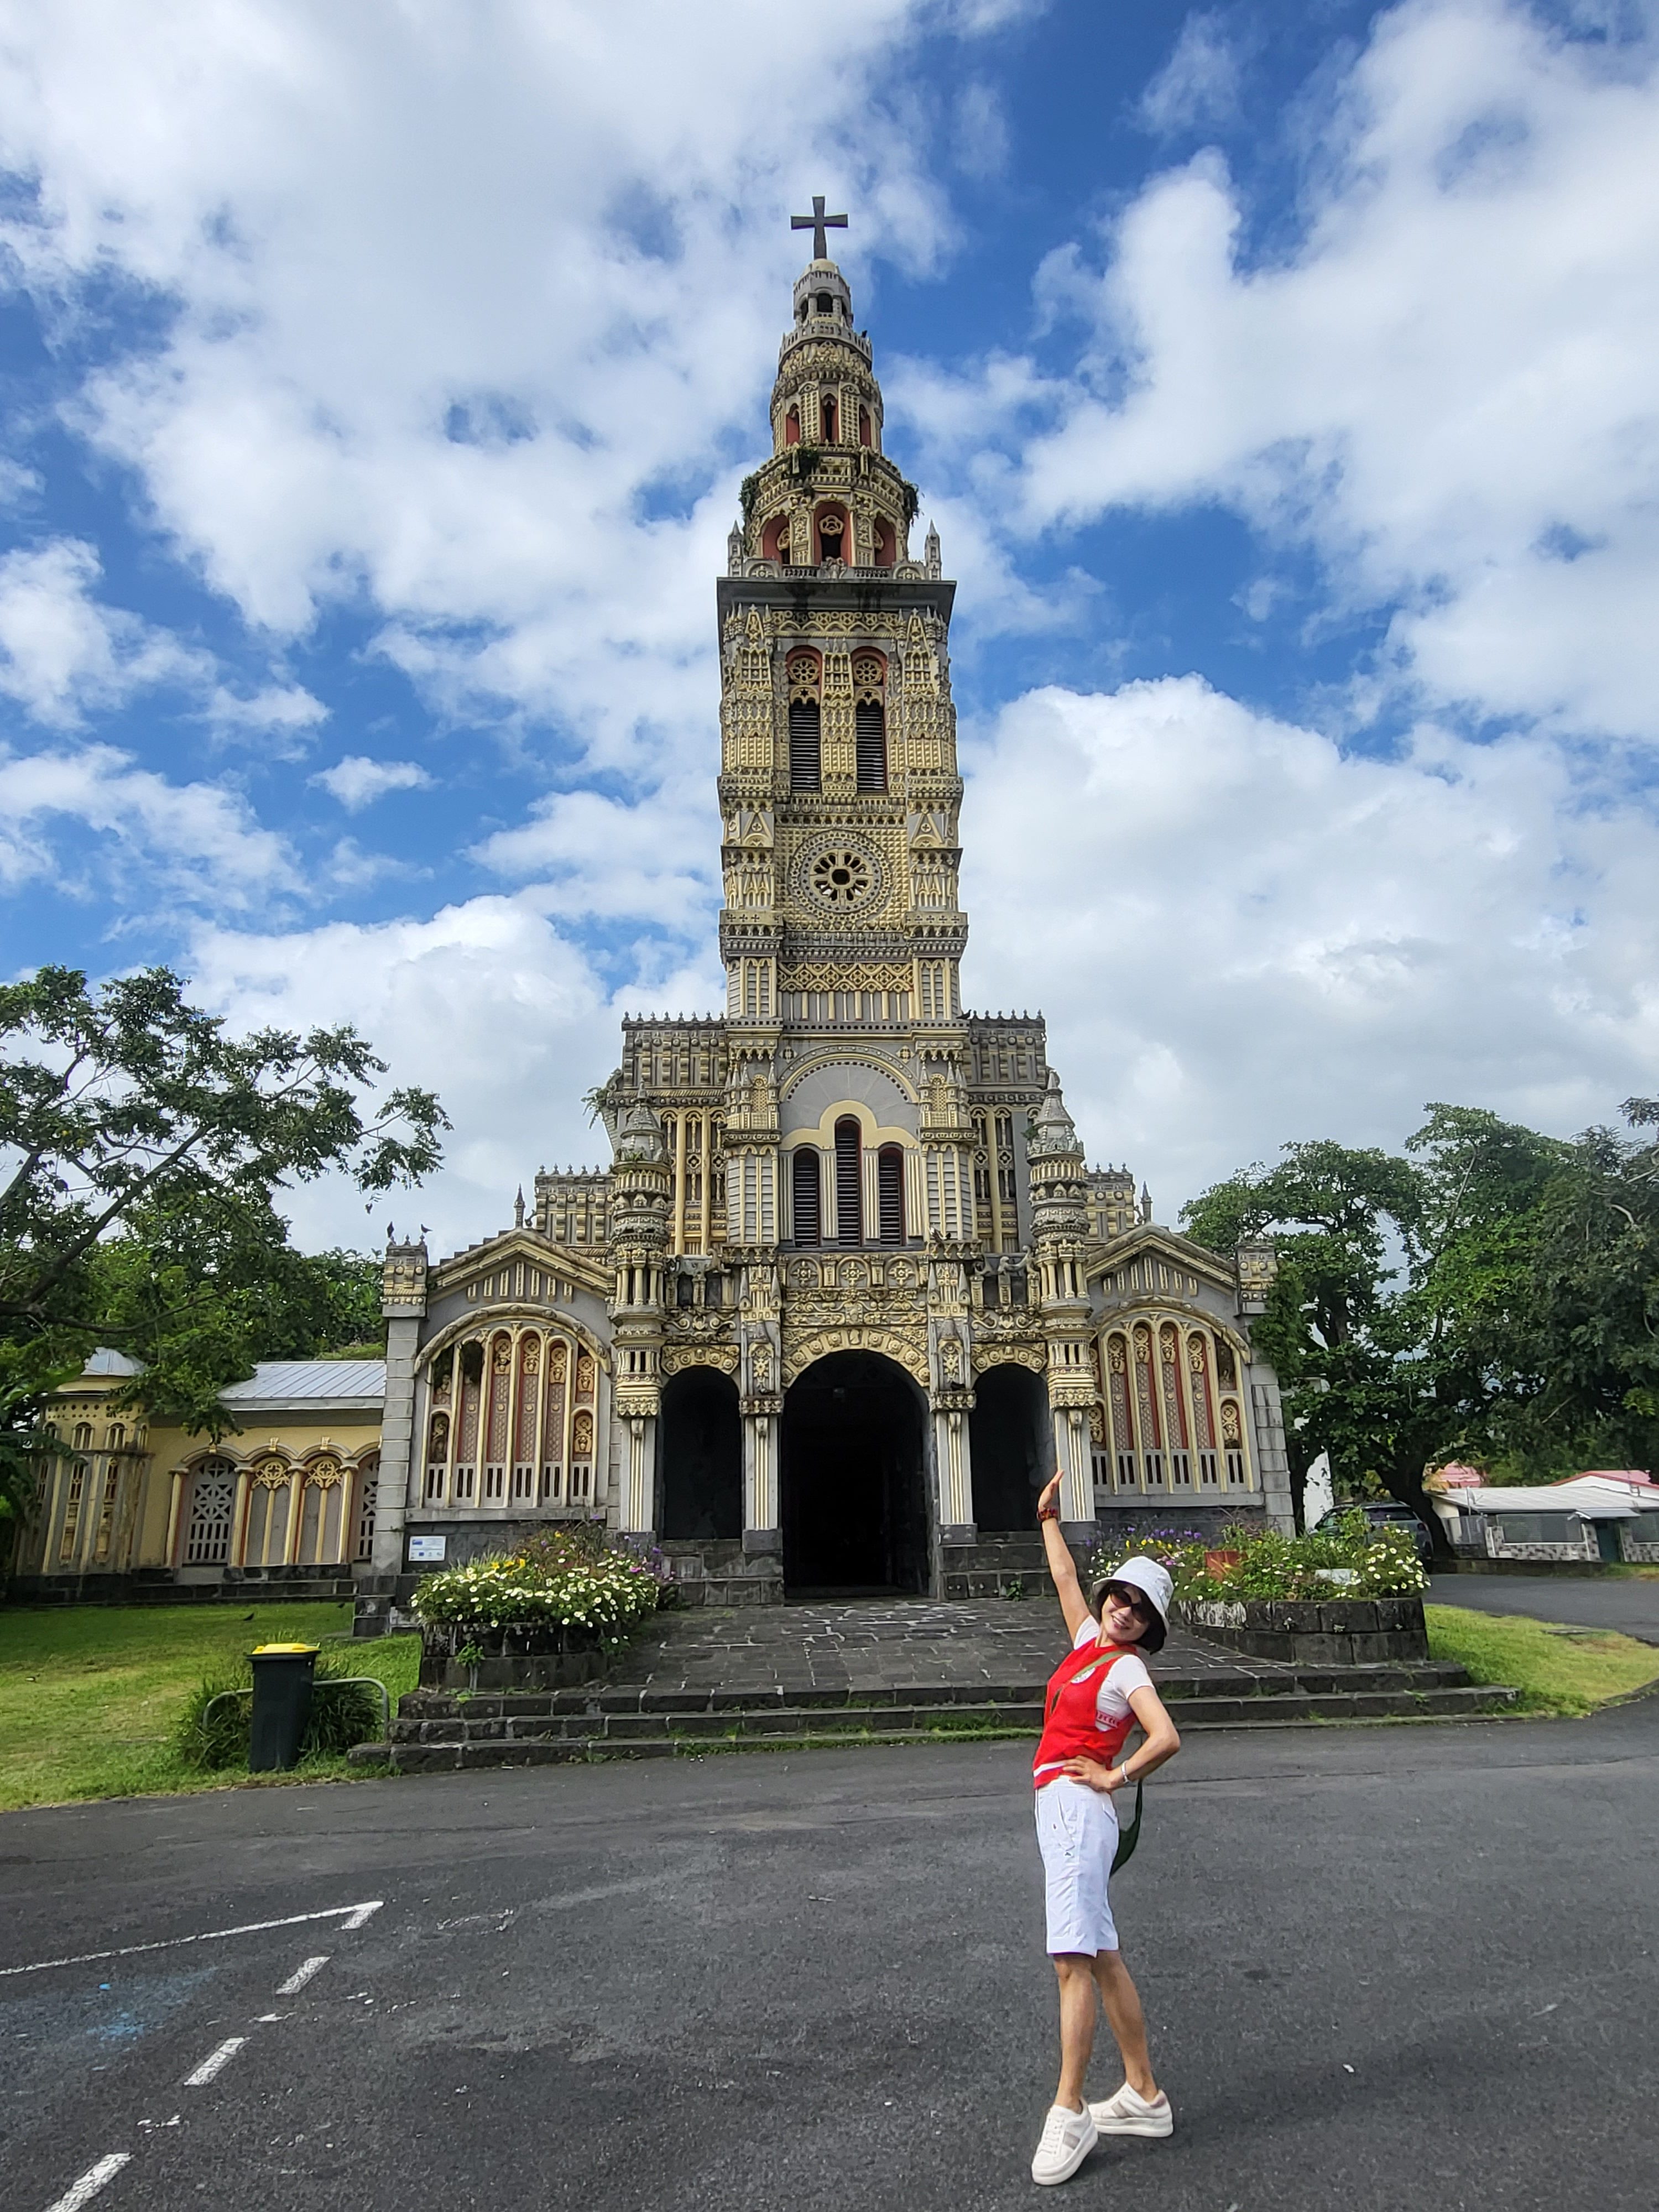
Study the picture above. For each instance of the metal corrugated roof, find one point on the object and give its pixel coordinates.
(105, 1362)
(311, 1381)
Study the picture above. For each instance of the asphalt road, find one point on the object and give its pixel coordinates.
(1622, 1602)
(1386, 1969)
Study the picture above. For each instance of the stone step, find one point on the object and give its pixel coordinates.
(420, 1706)
(532, 1739)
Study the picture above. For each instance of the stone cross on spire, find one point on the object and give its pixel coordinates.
(817, 222)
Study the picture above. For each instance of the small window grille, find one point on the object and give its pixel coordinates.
(1236, 1469)
(808, 1197)
(1153, 1461)
(1127, 1478)
(870, 733)
(804, 751)
(1207, 1472)
(889, 1189)
(849, 1195)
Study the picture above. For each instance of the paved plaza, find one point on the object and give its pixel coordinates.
(1385, 1969)
(900, 1644)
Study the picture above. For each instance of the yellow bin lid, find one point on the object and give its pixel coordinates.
(259, 1650)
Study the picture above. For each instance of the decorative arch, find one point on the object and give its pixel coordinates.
(843, 1056)
(511, 1412)
(906, 1351)
(832, 533)
(1172, 1405)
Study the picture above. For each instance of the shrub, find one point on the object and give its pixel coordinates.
(1383, 1562)
(566, 1579)
(340, 1717)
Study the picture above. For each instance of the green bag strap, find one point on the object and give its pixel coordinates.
(1129, 1837)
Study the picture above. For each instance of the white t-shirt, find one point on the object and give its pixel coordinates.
(1121, 1679)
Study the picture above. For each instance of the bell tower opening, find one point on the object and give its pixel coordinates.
(853, 1493)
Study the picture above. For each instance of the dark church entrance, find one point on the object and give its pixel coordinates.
(1010, 1449)
(702, 1456)
(855, 1508)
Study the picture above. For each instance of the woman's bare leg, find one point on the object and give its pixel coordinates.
(1127, 2021)
(1077, 2025)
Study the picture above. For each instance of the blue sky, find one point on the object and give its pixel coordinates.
(377, 384)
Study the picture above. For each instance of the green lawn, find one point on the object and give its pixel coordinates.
(90, 1695)
(1557, 1668)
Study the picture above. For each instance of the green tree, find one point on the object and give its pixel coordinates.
(1594, 1300)
(142, 1148)
(1399, 1321)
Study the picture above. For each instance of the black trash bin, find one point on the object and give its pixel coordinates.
(282, 1678)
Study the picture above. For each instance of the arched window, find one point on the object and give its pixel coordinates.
(849, 1194)
(792, 427)
(824, 304)
(886, 544)
(207, 1531)
(890, 1193)
(774, 539)
(807, 1187)
(870, 722)
(827, 417)
(804, 751)
(864, 426)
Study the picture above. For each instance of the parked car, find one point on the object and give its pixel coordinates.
(1389, 1515)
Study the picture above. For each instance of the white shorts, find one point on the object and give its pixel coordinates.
(1076, 1834)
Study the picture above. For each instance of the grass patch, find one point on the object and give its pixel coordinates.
(1556, 1668)
(90, 1696)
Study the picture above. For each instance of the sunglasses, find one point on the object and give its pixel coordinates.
(1131, 1600)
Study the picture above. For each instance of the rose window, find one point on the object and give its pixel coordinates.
(842, 876)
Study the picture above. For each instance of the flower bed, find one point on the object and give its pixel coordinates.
(1351, 1595)
(1353, 1560)
(547, 1616)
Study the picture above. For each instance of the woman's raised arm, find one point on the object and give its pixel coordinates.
(1062, 1565)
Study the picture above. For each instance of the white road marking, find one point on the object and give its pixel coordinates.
(358, 1913)
(83, 2191)
(301, 1974)
(215, 2062)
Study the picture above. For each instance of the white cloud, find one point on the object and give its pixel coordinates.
(282, 715)
(358, 781)
(473, 309)
(1198, 84)
(62, 654)
(193, 845)
(486, 1003)
(1243, 936)
(1445, 386)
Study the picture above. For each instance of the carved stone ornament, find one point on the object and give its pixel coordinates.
(678, 1357)
(909, 1349)
(1029, 1354)
(324, 1473)
(273, 1473)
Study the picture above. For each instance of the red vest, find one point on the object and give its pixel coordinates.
(1072, 1726)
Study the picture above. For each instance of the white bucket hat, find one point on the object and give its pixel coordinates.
(1154, 1583)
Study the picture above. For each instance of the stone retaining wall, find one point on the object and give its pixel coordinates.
(1345, 1632)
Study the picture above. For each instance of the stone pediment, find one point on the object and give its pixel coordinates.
(1167, 1250)
(521, 1255)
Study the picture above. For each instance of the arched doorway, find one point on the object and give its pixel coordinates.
(1010, 1449)
(702, 1456)
(853, 1496)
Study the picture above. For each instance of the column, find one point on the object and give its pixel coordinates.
(678, 1243)
(238, 1556)
(955, 1490)
(1077, 1489)
(639, 1475)
(400, 1472)
(762, 1534)
(296, 1494)
(175, 1515)
(706, 1201)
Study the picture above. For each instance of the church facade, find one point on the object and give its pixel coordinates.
(847, 1292)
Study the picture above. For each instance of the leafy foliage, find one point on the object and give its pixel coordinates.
(1493, 1294)
(209, 1735)
(1250, 1561)
(143, 1150)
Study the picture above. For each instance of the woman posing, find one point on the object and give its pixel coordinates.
(1096, 1696)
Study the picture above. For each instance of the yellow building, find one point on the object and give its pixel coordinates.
(283, 1505)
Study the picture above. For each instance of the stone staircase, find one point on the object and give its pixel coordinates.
(440, 1730)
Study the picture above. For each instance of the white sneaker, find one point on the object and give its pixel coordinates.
(1068, 2139)
(1127, 2114)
